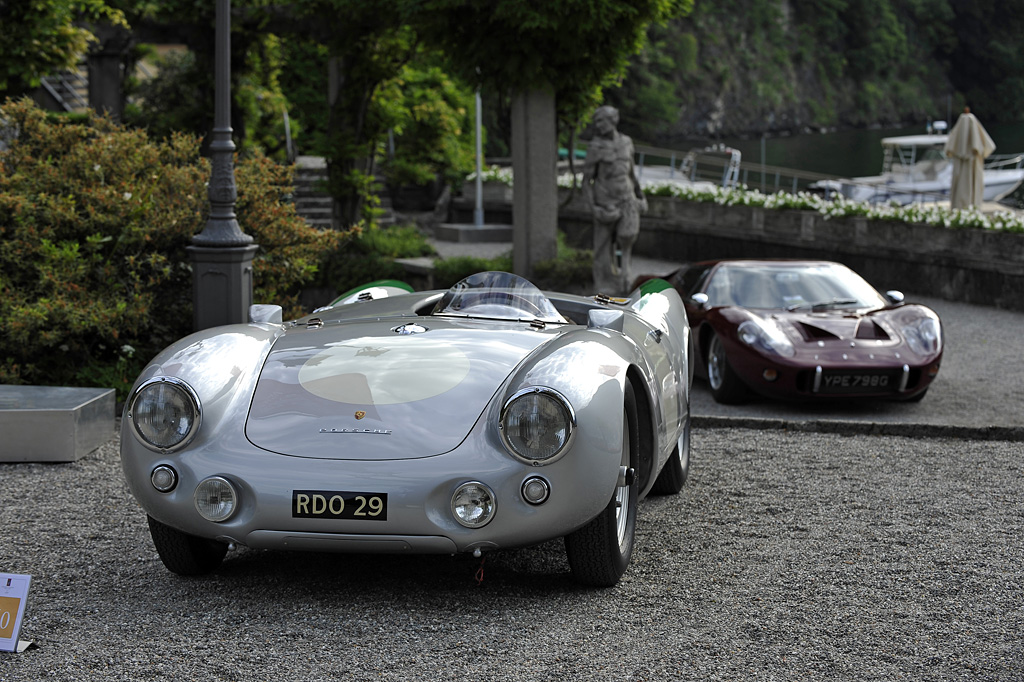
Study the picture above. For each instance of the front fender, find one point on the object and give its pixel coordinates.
(222, 366)
(588, 367)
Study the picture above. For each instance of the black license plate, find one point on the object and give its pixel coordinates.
(857, 382)
(339, 504)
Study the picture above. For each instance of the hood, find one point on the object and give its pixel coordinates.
(383, 389)
(838, 325)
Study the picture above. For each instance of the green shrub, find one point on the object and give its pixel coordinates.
(94, 224)
(370, 255)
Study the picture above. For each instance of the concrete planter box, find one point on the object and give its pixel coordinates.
(54, 424)
(492, 192)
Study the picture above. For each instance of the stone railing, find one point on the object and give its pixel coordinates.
(976, 266)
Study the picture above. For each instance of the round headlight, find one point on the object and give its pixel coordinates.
(216, 499)
(766, 336)
(165, 413)
(537, 425)
(473, 505)
(924, 336)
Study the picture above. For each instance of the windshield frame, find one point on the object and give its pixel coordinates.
(496, 295)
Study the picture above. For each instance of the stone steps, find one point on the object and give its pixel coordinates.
(313, 204)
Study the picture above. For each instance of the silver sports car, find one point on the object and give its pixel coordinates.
(487, 416)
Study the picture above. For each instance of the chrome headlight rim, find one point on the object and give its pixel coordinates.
(192, 399)
(570, 424)
(228, 499)
(488, 504)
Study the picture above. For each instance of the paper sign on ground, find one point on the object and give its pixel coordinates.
(13, 599)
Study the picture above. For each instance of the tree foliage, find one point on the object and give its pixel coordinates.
(42, 37)
(575, 47)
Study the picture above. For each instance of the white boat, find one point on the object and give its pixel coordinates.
(916, 169)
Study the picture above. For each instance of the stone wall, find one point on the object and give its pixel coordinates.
(984, 267)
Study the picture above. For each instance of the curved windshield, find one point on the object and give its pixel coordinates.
(497, 295)
(811, 286)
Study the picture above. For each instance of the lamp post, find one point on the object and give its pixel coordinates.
(222, 254)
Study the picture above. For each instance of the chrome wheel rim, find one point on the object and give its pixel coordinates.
(622, 492)
(683, 444)
(716, 363)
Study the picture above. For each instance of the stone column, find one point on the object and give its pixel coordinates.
(535, 194)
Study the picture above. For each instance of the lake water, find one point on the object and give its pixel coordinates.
(851, 153)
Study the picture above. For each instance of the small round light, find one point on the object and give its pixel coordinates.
(473, 504)
(537, 425)
(165, 413)
(536, 490)
(164, 478)
(770, 374)
(216, 499)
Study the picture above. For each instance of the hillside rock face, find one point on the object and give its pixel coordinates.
(747, 67)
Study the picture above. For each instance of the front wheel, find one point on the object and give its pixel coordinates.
(185, 554)
(599, 552)
(726, 386)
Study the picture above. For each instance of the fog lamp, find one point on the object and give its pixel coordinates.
(536, 490)
(770, 375)
(164, 478)
(216, 499)
(473, 504)
(933, 371)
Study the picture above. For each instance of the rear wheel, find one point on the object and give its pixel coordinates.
(599, 552)
(185, 554)
(673, 475)
(726, 386)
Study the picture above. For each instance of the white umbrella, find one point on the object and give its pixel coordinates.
(968, 145)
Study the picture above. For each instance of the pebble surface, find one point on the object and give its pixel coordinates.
(788, 555)
(871, 542)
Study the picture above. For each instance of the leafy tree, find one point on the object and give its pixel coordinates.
(368, 44)
(45, 36)
(575, 47)
(432, 119)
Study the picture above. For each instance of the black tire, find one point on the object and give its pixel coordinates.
(676, 470)
(917, 398)
(599, 552)
(726, 386)
(185, 554)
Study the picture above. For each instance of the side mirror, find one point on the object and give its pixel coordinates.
(895, 297)
(700, 298)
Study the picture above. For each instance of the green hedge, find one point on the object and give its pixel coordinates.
(94, 223)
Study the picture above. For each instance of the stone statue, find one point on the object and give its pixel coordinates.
(611, 188)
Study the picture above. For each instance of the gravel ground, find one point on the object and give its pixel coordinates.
(788, 555)
(849, 543)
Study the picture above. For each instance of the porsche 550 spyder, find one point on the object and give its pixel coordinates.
(491, 415)
(800, 329)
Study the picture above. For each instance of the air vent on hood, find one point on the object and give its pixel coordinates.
(812, 332)
(869, 329)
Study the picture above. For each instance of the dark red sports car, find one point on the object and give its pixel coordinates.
(801, 329)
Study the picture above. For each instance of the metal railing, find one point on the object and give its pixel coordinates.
(722, 166)
(65, 89)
